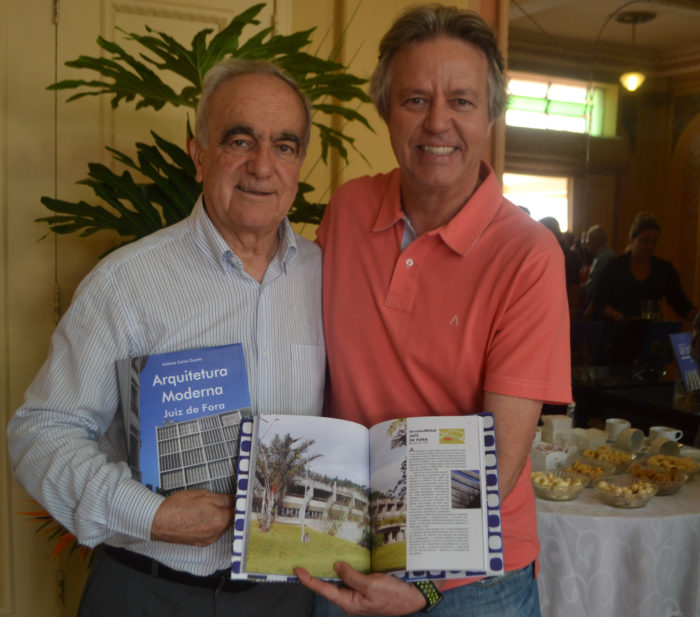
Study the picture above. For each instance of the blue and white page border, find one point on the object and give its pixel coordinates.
(244, 491)
(493, 514)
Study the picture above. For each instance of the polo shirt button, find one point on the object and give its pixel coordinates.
(409, 262)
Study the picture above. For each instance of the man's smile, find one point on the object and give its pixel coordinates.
(252, 191)
(437, 150)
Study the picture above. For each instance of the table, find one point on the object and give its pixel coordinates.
(600, 561)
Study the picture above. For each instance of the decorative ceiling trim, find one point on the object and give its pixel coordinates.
(525, 45)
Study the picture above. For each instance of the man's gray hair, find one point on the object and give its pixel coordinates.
(596, 231)
(426, 22)
(228, 69)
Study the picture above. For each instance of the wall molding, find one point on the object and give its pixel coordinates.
(6, 586)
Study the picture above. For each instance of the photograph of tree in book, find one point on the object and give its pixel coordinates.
(279, 463)
(388, 501)
(309, 501)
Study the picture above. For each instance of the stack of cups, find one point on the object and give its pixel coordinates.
(621, 433)
(664, 440)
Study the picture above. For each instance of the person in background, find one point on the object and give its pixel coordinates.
(443, 298)
(596, 244)
(632, 280)
(572, 263)
(233, 271)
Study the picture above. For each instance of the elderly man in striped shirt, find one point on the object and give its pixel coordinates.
(232, 272)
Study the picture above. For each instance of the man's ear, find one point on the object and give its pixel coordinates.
(196, 151)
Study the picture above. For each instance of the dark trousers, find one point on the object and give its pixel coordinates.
(116, 590)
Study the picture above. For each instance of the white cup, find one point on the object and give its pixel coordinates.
(665, 431)
(665, 447)
(613, 426)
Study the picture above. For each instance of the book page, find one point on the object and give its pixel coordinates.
(302, 499)
(429, 493)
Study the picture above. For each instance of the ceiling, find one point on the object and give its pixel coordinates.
(578, 28)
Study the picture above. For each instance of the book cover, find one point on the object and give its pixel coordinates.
(413, 497)
(686, 365)
(182, 412)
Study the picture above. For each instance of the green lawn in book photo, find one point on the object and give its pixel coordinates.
(389, 557)
(281, 549)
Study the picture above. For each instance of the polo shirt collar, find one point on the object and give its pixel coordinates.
(390, 211)
(465, 228)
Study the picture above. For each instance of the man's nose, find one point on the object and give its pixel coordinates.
(260, 161)
(437, 119)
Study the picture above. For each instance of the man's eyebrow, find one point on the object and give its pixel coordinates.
(237, 129)
(288, 136)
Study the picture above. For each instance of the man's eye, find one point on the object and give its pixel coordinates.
(461, 102)
(286, 149)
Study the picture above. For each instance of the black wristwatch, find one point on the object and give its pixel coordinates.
(430, 592)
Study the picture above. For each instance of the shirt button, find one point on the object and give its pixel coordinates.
(409, 262)
(266, 353)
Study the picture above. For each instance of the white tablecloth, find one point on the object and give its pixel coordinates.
(600, 561)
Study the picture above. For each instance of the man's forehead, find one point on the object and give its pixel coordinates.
(258, 104)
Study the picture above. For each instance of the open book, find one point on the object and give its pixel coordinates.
(413, 497)
(182, 412)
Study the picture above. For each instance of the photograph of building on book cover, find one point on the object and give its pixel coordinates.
(199, 454)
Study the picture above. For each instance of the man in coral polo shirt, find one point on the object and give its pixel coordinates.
(443, 298)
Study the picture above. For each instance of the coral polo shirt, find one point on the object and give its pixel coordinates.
(477, 305)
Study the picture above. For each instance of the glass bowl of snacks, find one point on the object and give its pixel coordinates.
(618, 459)
(558, 485)
(625, 491)
(682, 463)
(593, 470)
(668, 481)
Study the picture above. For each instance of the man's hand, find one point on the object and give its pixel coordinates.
(193, 517)
(366, 594)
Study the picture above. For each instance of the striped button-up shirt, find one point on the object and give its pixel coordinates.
(179, 288)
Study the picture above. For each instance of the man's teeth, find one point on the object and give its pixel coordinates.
(438, 150)
(247, 190)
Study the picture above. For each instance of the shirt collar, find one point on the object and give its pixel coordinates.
(211, 242)
(465, 228)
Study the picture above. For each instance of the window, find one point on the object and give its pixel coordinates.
(540, 102)
(541, 195)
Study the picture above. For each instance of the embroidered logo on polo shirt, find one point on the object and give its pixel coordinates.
(454, 321)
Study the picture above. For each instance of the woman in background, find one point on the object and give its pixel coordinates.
(637, 280)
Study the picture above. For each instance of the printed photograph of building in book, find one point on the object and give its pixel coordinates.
(199, 453)
(308, 500)
(466, 489)
(388, 519)
(331, 506)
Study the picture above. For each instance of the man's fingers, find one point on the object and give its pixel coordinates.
(328, 590)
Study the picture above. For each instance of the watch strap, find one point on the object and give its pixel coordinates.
(430, 592)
